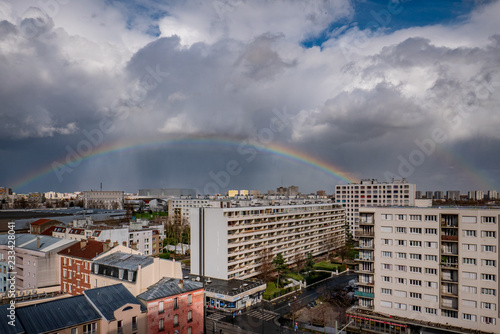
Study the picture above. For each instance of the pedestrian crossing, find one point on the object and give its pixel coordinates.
(264, 315)
(216, 316)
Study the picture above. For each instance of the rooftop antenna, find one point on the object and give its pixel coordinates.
(101, 186)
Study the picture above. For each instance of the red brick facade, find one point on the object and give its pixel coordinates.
(184, 325)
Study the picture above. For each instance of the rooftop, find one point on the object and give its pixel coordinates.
(230, 287)
(90, 250)
(29, 241)
(109, 298)
(41, 221)
(169, 287)
(125, 261)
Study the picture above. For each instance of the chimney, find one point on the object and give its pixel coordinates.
(37, 242)
(181, 284)
(83, 243)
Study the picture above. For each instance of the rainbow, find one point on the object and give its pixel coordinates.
(123, 146)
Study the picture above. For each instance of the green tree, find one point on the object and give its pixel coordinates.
(280, 266)
(309, 262)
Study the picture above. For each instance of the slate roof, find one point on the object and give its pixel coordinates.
(125, 261)
(88, 252)
(5, 328)
(169, 287)
(28, 241)
(108, 299)
(57, 314)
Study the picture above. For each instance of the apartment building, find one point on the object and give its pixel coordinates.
(233, 242)
(174, 305)
(428, 267)
(112, 200)
(76, 263)
(36, 259)
(146, 241)
(369, 193)
(179, 209)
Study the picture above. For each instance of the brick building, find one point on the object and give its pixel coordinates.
(76, 264)
(174, 306)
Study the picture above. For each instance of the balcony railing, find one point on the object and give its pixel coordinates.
(364, 294)
(449, 237)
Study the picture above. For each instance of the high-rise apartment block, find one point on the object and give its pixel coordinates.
(234, 242)
(428, 267)
(370, 193)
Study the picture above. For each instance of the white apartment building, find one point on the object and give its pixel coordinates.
(179, 208)
(232, 242)
(369, 193)
(429, 267)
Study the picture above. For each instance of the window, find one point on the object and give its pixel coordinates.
(386, 241)
(431, 271)
(431, 258)
(386, 217)
(400, 306)
(431, 231)
(416, 308)
(190, 330)
(485, 291)
(385, 303)
(415, 256)
(469, 317)
(467, 260)
(160, 307)
(400, 229)
(488, 277)
(415, 217)
(432, 285)
(415, 295)
(401, 242)
(489, 263)
(386, 266)
(415, 243)
(449, 313)
(416, 282)
(400, 293)
(400, 280)
(469, 289)
(489, 220)
(489, 248)
(386, 254)
(431, 244)
(469, 303)
(119, 326)
(190, 299)
(176, 303)
(176, 320)
(469, 247)
(400, 268)
(430, 218)
(386, 229)
(415, 270)
(64, 273)
(469, 275)
(386, 291)
(134, 323)
(489, 306)
(160, 325)
(74, 330)
(469, 219)
(401, 255)
(415, 230)
(387, 279)
(431, 298)
(190, 316)
(90, 328)
(469, 233)
(429, 310)
(488, 320)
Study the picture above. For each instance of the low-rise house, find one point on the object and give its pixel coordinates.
(120, 311)
(174, 306)
(40, 225)
(135, 272)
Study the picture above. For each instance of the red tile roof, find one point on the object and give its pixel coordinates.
(88, 252)
(41, 221)
(48, 231)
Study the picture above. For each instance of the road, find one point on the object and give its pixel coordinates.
(262, 320)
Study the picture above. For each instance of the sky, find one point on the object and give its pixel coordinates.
(239, 94)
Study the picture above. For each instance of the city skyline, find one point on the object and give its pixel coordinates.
(238, 95)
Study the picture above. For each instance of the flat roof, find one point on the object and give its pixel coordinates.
(125, 261)
(230, 287)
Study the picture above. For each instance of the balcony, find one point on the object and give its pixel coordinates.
(364, 294)
(364, 271)
(364, 258)
(364, 233)
(449, 237)
(364, 246)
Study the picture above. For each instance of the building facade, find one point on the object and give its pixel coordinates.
(234, 242)
(430, 267)
(174, 305)
(372, 193)
(112, 200)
